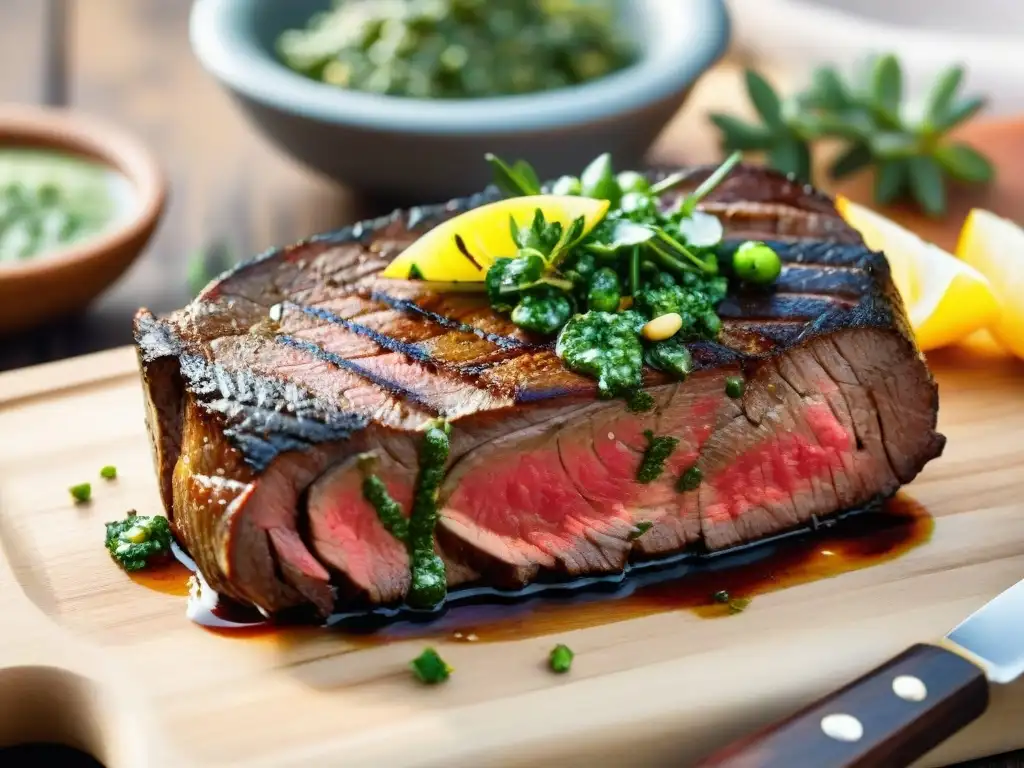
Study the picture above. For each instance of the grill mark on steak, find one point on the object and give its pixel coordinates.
(824, 281)
(340, 362)
(775, 305)
(407, 305)
(372, 360)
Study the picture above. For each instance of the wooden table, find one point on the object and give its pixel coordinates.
(129, 61)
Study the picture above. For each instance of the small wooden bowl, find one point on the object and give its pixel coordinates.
(51, 285)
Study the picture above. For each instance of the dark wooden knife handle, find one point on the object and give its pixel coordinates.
(887, 718)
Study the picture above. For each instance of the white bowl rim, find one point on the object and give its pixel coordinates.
(832, 29)
(240, 63)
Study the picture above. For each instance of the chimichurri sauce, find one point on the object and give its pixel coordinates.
(429, 582)
(50, 200)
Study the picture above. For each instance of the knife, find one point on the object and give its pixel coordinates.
(899, 711)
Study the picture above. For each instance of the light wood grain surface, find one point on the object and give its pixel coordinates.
(144, 686)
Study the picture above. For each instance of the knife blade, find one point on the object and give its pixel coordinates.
(899, 711)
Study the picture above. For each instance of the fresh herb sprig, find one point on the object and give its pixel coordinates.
(601, 291)
(907, 145)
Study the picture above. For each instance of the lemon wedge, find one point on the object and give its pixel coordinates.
(946, 298)
(485, 234)
(983, 343)
(995, 247)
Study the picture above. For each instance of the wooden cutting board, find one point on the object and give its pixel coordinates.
(89, 657)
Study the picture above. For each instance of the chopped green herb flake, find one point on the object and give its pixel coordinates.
(81, 493)
(721, 596)
(108, 472)
(430, 668)
(560, 659)
(670, 356)
(415, 273)
(138, 541)
(739, 605)
(388, 510)
(639, 401)
(653, 463)
(640, 529)
(734, 387)
(690, 479)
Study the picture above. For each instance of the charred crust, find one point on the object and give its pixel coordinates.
(262, 417)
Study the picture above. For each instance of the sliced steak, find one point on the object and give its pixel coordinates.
(263, 391)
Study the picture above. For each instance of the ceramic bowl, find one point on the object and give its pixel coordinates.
(58, 283)
(985, 36)
(430, 150)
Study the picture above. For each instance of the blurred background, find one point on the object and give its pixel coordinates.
(257, 151)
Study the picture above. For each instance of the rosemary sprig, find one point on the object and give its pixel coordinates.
(907, 145)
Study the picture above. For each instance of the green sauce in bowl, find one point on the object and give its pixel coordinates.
(452, 49)
(50, 200)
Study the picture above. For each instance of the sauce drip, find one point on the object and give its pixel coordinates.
(841, 545)
(857, 541)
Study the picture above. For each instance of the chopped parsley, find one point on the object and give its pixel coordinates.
(108, 472)
(81, 493)
(560, 659)
(640, 529)
(653, 463)
(429, 668)
(690, 479)
(139, 540)
(734, 387)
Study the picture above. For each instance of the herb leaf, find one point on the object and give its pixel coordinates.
(887, 88)
(927, 186)
(960, 113)
(964, 163)
(513, 181)
(857, 156)
(792, 156)
(764, 99)
(940, 98)
(890, 179)
(738, 134)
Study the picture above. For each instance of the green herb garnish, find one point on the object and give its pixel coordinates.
(721, 596)
(428, 585)
(640, 529)
(909, 148)
(415, 273)
(138, 540)
(640, 401)
(458, 49)
(642, 261)
(690, 479)
(108, 472)
(81, 493)
(653, 463)
(560, 659)
(430, 668)
(734, 387)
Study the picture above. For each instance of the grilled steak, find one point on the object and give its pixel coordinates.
(264, 389)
